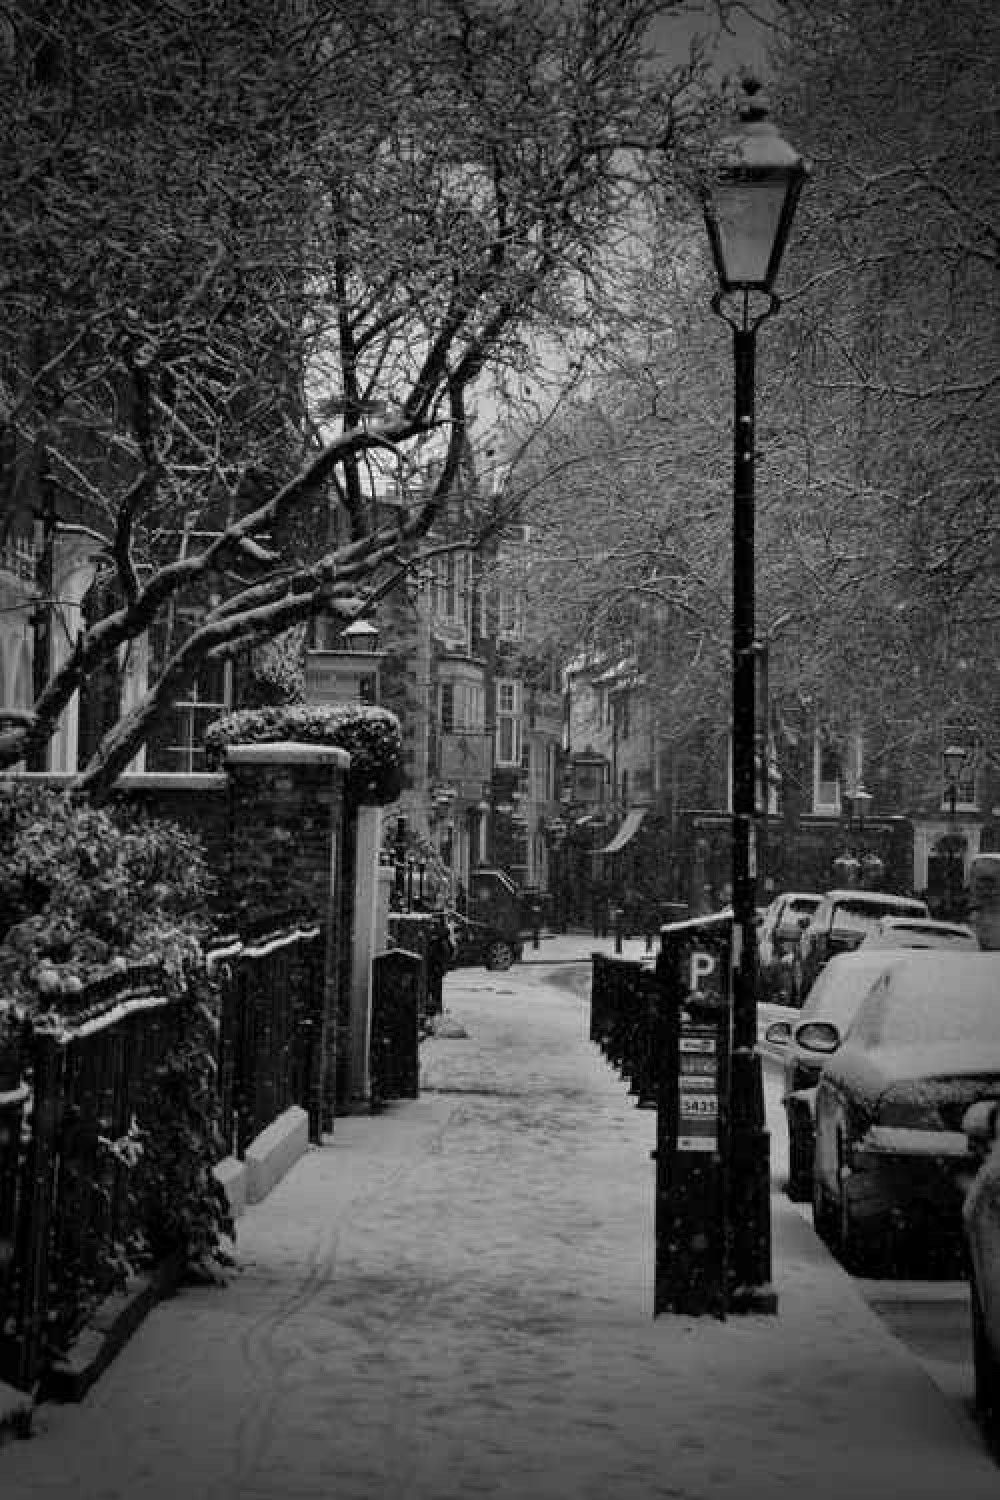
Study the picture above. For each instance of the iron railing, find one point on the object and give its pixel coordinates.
(625, 1022)
(72, 1109)
(269, 1034)
(66, 1130)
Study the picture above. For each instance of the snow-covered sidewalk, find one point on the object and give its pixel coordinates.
(453, 1300)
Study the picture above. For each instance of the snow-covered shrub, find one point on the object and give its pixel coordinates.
(85, 890)
(370, 735)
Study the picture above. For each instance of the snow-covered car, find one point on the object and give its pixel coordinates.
(920, 932)
(890, 1153)
(834, 1000)
(981, 1223)
(840, 923)
(778, 936)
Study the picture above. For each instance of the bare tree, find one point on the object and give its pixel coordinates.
(890, 366)
(878, 545)
(253, 255)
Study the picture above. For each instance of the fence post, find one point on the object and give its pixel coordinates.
(32, 1250)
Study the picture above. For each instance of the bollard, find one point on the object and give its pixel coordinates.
(618, 929)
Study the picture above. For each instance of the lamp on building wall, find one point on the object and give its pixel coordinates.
(749, 207)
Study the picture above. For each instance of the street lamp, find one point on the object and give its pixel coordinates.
(748, 209)
(953, 758)
(861, 800)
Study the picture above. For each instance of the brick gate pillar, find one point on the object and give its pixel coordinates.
(285, 823)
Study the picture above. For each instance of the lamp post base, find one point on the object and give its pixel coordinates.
(749, 1194)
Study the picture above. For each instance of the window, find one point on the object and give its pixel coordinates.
(460, 707)
(508, 723)
(447, 706)
(827, 775)
(965, 781)
(209, 697)
(450, 584)
(510, 614)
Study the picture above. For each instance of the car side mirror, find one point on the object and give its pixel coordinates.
(779, 1033)
(818, 1036)
(981, 1123)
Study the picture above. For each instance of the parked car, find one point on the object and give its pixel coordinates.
(840, 923)
(834, 999)
(778, 936)
(476, 942)
(890, 1151)
(920, 932)
(981, 1224)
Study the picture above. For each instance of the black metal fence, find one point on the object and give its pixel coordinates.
(398, 981)
(269, 1042)
(625, 1022)
(73, 1103)
(67, 1133)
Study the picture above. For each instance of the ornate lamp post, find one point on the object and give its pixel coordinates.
(861, 800)
(748, 209)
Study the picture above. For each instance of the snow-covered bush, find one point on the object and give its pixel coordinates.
(370, 735)
(85, 890)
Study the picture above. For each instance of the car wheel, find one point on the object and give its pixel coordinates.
(499, 955)
(987, 1371)
(855, 1247)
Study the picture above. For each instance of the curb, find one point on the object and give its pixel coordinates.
(109, 1329)
(271, 1154)
(16, 1411)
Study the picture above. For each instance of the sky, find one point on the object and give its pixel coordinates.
(741, 45)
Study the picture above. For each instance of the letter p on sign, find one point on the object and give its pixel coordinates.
(702, 964)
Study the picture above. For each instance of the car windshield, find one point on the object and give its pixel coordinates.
(797, 906)
(935, 998)
(858, 915)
